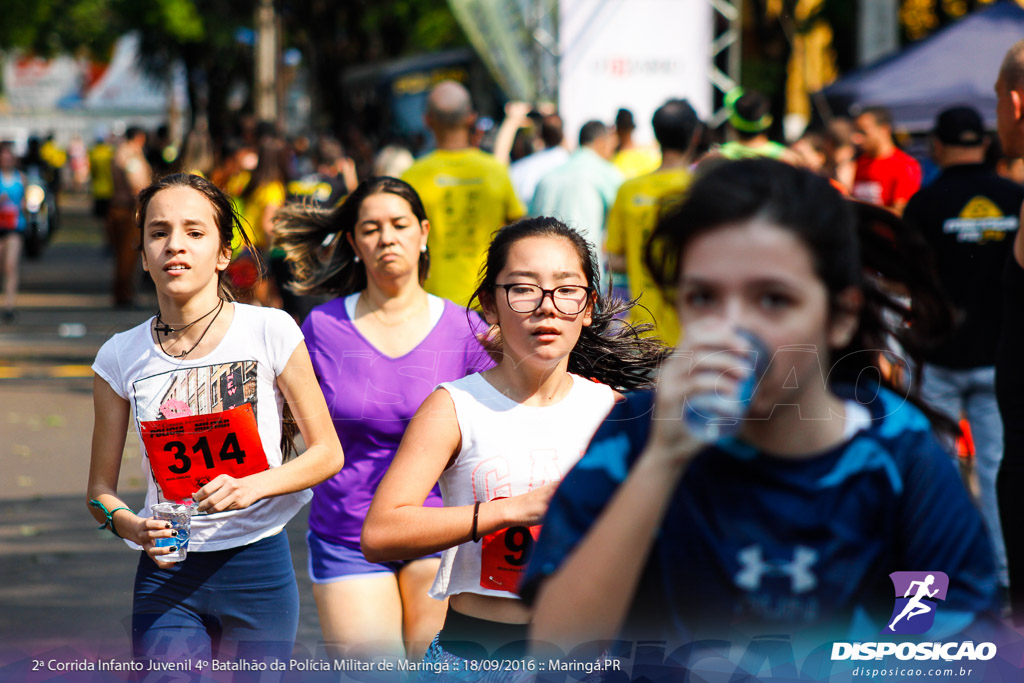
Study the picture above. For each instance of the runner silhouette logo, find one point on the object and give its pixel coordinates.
(917, 594)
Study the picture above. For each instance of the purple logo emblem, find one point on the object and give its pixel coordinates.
(916, 596)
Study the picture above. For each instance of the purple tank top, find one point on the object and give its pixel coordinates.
(372, 397)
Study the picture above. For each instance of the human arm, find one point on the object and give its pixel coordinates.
(908, 182)
(348, 172)
(397, 525)
(110, 426)
(613, 553)
(516, 116)
(138, 173)
(323, 457)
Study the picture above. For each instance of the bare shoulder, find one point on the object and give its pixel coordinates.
(438, 405)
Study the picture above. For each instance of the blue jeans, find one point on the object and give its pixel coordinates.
(241, 603)
(973, 392)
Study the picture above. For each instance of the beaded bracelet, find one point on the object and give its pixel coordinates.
(109, 522)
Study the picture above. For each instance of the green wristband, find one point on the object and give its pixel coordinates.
(109, 522)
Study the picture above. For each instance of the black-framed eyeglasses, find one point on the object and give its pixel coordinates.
(526, 298)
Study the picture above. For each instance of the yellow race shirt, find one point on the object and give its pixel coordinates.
(633, 163)
(101, 157)
(468, 195)
(270, 194)
(636, 211)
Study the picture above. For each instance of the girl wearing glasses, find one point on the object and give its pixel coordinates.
(498, 442)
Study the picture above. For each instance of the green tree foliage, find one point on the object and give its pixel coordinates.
(46, 27)
(333, 35)
(203, 35)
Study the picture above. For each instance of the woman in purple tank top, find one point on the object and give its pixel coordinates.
(378, 349)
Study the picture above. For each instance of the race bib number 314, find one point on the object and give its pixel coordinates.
(187, 452)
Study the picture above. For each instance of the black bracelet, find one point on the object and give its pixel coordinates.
(476, 520)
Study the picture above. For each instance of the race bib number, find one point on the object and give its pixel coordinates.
(9, 214)
(187, 452)
(504, 556)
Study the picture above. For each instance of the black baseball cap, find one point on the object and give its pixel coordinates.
(960, 126)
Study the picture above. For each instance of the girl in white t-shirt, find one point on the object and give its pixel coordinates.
(498, 442)
(207, 380)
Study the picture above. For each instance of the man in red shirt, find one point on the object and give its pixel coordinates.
(885, 175)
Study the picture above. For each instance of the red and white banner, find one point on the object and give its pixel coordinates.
(634, 54)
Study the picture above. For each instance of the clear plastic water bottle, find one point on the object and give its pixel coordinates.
(710, 416)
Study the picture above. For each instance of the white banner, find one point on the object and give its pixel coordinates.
(34, 83)
(37, 85)
(125, 86)
(634, 54)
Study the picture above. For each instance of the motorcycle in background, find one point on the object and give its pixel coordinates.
(40, 213)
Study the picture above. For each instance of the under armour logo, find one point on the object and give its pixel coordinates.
(755, 568)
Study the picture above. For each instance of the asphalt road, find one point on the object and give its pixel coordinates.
(65, 587)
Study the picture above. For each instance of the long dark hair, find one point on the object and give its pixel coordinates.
(852, 244)
(609, 350)
(228, 225)
(315, 243)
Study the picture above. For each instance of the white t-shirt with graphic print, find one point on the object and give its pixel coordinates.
(242, 369)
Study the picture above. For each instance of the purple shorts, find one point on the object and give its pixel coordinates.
(330, 561)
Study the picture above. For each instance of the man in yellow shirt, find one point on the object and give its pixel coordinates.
(638, 206)
(101, 159)
(467, 194)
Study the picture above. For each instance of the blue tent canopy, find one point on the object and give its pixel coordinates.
(957, 65)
